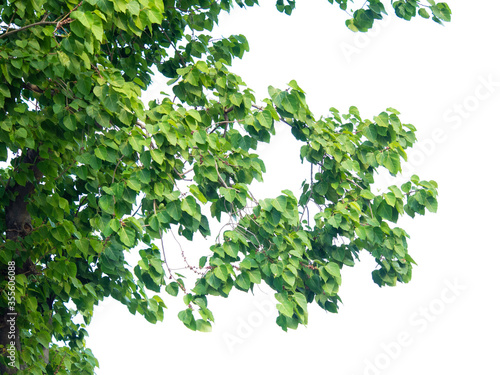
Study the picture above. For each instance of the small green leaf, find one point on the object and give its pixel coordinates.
(106, 202)
(280, 203)
(71, 269)
(255, 276)
(243, 281)
(367, 194)
(406, 187)
(293, 84)
(174, 210)
(44, 338)
(431, 203)
(194, 114)
(231, 249)
(186, 317)
(289, 278)
(265, 119)
(203, 326)
(31, 303)
(382, 120)
(69, 122)
(172, 288)
(286, 308)
(157, 156)
(127, 236)
(202, 261)
(333, 269)
(390, 199)
(301, 301)
(335, 220)
(228, 193)
(391, 161)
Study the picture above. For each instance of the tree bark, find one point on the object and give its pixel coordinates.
(18, 225)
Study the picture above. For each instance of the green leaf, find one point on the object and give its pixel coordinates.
(228, 193)
(190, 206)
(385, 211)
(391, 161)
(97, 28)
(265, 119)
(69, 122)
(289, 278)
(321, 187)
(397, 193)
(186, 317)
(4, 90)
(127, 236)
(203, 326)
(134, 184)
(213, 280)
(133, 7)
(286, 308)
(200, 137)
(48, 168)
(293, 84)
(71, 269)
(231, 249)
(236, 99)
(44, 338)
(274, 217)
(101, 153)
(197, 193)
(333, 269)
(335, 220)
(31, 303)
(157, 156)
(106, 202)
(174, 210)
(431, 203)
(243, 281)
(194, 114)
(287, 102)
(172, 288)
(367, 194)
(406, 187)
(382, 120)
(280, 203)
(390, 199)
(301, 300)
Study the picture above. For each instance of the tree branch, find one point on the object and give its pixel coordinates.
(41, 23)
(58, 24)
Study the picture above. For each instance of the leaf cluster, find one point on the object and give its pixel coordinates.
(112, 175)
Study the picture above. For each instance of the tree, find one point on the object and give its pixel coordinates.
(89, 173)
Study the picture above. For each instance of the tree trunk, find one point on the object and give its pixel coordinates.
(18, 225)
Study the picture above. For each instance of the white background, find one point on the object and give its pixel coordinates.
(445, 81)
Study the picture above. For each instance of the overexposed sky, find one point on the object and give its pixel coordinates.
(445, 81)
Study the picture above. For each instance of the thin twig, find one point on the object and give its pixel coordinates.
(184, 173)
(165, 254)
(40, 23)
(114, 172)
(218, 173)
(308, 198)
(192, 268)
(58, 24)
(136, 211)
(60, 363)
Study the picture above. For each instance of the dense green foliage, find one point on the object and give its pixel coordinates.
(89, 172)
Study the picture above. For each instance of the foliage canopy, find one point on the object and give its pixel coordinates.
(89, 172)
